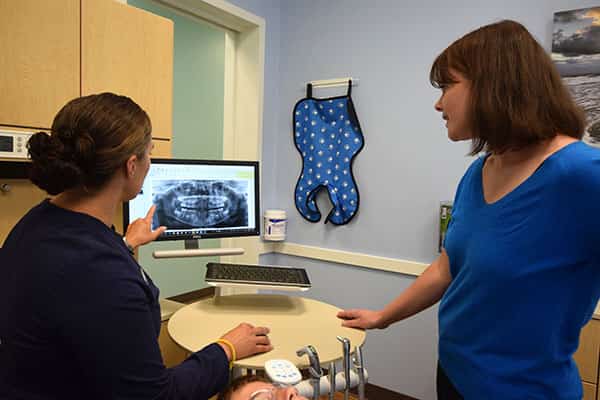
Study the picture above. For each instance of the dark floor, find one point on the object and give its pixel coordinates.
(373, 392)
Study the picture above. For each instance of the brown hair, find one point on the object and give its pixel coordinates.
(91, 138)
(517, 96)
(238, 383)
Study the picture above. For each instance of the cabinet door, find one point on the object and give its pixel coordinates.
(588, 352)
(39, 60)
(162, 149)
(18, 198)
(172, 354)
(589, 391)
(129, 51)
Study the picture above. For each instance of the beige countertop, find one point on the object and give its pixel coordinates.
(294, 322)
(168, 308)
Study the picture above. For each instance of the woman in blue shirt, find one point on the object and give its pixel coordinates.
(519, 275)
(79, 318)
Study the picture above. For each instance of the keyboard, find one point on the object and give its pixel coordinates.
(257, 275)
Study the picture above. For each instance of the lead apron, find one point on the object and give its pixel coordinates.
(328, 136)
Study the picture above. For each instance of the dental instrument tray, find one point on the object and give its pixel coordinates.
(262, 276)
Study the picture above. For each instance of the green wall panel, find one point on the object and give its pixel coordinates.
(198, 90)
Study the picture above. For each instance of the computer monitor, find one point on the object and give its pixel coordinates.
(198, 199)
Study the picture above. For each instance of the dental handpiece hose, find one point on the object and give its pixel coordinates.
(359, 364)
(346, 361)
(315, 368)
(332, 381)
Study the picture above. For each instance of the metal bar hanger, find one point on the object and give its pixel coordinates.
(334, 82)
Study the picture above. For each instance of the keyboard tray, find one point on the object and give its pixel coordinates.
(220, 274)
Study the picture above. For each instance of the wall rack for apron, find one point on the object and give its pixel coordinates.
(332, 82)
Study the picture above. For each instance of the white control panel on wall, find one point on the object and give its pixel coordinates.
(13, 144)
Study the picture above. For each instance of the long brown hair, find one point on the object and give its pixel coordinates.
(517, 95)
(91, 138)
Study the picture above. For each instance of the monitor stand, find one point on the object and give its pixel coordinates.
(192, 249)
(191, 244)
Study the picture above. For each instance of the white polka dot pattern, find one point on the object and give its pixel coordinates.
(328, 136)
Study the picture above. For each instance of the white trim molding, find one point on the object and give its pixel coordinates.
(219, 12)
(345, 257)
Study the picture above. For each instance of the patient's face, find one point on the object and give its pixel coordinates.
(265, 391)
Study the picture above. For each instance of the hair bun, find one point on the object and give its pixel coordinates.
(92, 138)
(84, 151)
(53, 169)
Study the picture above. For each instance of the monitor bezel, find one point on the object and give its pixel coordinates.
(212, 235)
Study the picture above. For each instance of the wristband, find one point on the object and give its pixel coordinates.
(129, 248)
(231, 349)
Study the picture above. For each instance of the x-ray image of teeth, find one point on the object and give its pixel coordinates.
(189, 204)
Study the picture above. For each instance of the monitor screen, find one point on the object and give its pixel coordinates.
(198, 199)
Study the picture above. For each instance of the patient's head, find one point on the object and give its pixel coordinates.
(254, 387)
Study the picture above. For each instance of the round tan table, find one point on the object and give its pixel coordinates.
(294, 323)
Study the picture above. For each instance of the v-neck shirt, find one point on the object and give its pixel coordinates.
(525, 279)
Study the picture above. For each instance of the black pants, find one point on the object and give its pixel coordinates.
(445, 388)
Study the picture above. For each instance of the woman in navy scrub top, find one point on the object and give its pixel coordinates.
(519, 275)
(79, 318)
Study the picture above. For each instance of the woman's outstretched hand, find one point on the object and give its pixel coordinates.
(140, 232)
(362, 319)
(248, 340)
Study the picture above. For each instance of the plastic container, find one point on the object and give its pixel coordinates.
(275, 222)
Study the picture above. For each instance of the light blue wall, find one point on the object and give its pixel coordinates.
(407, 166)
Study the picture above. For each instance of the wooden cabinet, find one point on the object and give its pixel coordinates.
(162, 148)
(587, 358)
(588, 352)
(129, 51)
(54, 51)
(20, 197)
(589, 391)
(39, 60)
(172, 353)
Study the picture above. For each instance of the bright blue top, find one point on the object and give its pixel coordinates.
(525, 280)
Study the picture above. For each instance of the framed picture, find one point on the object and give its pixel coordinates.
(576, 52)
